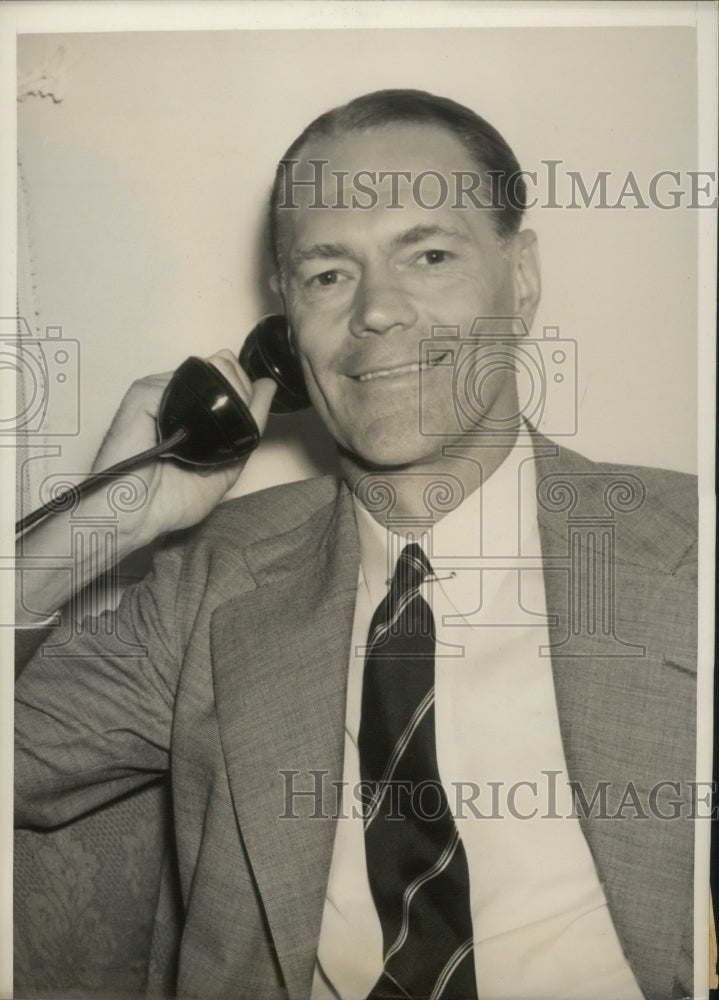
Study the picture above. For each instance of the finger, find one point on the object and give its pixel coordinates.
(229, 366)
(143, 396)
(264, 390)
(160, 378)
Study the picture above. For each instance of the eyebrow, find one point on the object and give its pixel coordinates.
(417, 234)
(321, 250)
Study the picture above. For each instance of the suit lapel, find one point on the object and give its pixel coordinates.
(280, 665)
(613, 703)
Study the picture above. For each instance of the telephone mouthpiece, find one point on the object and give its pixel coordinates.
(217, 422)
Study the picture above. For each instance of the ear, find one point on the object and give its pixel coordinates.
(277, 287)
(526, 275)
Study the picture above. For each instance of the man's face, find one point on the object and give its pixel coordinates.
(364, 287)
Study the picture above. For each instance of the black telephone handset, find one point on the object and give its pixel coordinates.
(202, 420)
(218, 424)
(267, 353)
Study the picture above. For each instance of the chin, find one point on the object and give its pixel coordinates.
(392, 451)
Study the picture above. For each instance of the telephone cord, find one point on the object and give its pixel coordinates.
(70, 496)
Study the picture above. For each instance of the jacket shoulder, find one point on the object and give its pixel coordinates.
(655, 509)
(241, 522)
(666, 490)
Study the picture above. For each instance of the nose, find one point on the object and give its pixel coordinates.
(380, 305)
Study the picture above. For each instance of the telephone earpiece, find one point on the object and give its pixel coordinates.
(218, 424)
(267, 353)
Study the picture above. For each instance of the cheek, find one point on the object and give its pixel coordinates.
(318, 362)
(316, 357)
(320, 341)
(464, 298)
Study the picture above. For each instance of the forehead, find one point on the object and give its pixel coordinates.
(393, 147)
(391, 176)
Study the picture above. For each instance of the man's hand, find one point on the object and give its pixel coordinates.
(178, 495)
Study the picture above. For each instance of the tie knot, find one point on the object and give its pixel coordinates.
(413, 567)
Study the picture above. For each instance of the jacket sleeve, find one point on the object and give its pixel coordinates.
(93, 715)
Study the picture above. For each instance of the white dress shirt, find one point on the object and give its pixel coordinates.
(542, 928)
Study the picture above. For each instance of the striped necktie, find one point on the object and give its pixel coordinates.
(416, 862)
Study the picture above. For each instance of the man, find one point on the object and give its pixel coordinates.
(370, 777)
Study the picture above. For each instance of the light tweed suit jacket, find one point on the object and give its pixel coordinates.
(245, 625)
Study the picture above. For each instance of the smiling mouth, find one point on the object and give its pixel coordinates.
(400, 370)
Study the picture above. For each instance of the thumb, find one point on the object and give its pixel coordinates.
(264, 390)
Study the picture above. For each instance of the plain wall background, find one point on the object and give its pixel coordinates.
(146, 183)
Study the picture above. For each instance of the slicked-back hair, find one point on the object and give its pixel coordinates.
(488, 149)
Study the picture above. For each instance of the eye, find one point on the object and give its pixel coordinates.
(326, 279)
(435, 256)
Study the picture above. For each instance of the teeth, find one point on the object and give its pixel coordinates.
(395, 372)
(390, 372)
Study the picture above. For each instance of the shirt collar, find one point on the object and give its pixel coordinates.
(497, 519)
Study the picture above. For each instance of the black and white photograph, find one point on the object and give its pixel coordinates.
(358, 421)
